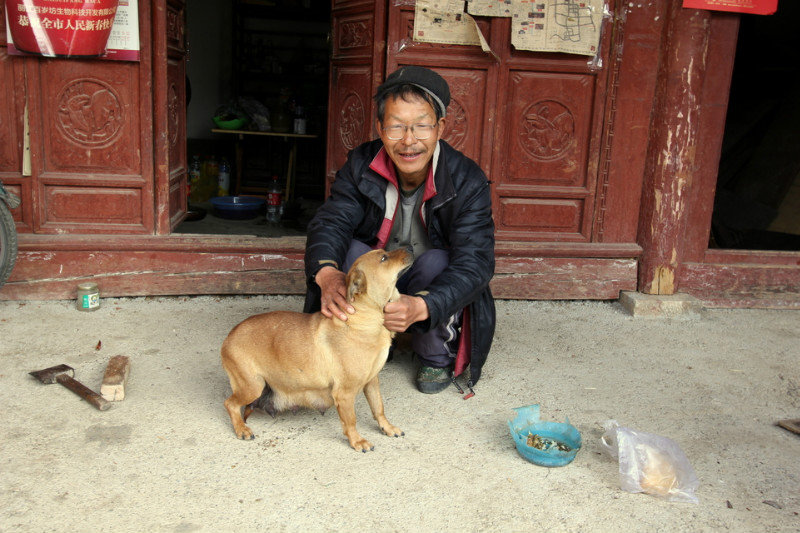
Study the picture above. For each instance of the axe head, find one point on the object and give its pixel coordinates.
(49, 375)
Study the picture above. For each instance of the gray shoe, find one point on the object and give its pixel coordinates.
(431, 380)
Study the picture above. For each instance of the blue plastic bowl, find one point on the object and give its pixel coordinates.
(237, 207)
(527, 422)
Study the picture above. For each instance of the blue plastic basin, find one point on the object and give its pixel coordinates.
(527, 422)
(237, 207)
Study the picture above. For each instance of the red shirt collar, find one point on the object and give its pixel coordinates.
(383, 165)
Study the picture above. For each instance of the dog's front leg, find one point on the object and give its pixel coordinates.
(345, 406)
(372, 391)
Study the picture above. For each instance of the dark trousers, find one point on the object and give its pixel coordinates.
(434, 347)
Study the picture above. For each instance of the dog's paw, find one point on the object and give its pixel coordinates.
(362, 445)
(245, 433)
(392, 431)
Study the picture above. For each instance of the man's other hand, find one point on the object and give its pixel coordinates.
(333, 300)
(399, 315)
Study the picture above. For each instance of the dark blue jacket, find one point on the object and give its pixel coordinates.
(458, 217)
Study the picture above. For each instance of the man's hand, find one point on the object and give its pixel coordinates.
(333, 301)
(399, 315)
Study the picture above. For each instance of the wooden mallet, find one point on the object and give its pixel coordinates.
(64, 375)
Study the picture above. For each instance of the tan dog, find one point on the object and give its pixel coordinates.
(284, 359)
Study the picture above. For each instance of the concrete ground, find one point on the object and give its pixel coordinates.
(166, 459)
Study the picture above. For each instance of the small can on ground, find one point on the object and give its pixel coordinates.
(88, 297)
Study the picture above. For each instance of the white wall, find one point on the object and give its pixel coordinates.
(209, 24)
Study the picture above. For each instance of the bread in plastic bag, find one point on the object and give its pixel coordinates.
(650, 463)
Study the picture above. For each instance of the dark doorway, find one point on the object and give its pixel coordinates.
(757, 203)
(255, 68)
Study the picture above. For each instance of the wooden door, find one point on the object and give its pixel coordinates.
(357, 62)
(13, 164)
(170, 115)
(79, 135)
(537, 123)
(566, 216)
(533, 121)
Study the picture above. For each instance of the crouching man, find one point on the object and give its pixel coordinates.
(411, 189)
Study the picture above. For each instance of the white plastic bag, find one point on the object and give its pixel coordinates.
(650, 463)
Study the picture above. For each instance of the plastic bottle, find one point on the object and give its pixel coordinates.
(211, 178)
(194, 176)
(274, 200)
(299, 120)
(224, 178)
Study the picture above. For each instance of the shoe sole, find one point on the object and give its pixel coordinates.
(432, 387)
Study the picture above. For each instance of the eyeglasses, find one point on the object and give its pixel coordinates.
(419, 131)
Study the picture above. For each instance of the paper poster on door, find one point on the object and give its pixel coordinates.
(755, 7)
(445, 22)
(97, 29)
(567, 26)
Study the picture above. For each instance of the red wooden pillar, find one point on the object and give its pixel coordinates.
(672, 151)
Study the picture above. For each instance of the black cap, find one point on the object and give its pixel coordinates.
(421, 77)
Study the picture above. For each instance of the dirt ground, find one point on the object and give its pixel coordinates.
(166, 459)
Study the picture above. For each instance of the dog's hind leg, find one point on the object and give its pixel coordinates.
(372, 391)
(345, 405)
(246, 390)
(234, 407)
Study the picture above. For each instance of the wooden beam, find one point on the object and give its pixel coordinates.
(743, 285)
(557, 278)
(55, 274)
(45, 275)
(673, 148)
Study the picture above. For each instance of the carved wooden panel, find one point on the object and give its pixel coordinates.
(176, 114)
(353, 35)
(114, 208)
(86, 139)
(89, 118)
(544, 177)
(464, 123)
(544, 218)
(358, 39)
(548, 125)
(351, 117)
(176, 136)
(176, 40)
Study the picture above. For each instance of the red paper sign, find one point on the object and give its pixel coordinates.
(103, 29)
(756, 7)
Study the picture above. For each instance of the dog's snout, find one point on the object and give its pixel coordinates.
(407, 254)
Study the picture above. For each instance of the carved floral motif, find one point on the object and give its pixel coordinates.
(456, 124)
(173, 116)
(175, 26)
(351, 120)
(89, 113)
(354, 35)
(548, 130)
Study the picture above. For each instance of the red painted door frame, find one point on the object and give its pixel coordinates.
(698, 52)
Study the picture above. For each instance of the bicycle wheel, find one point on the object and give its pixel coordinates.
(8, 243)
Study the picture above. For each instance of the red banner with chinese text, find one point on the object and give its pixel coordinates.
(756, 7)
(102, 29)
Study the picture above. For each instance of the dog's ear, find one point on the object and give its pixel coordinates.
(356, 284)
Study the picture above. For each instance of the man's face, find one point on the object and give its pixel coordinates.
(410, 155)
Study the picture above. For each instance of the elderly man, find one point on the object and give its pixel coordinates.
(411, 189)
